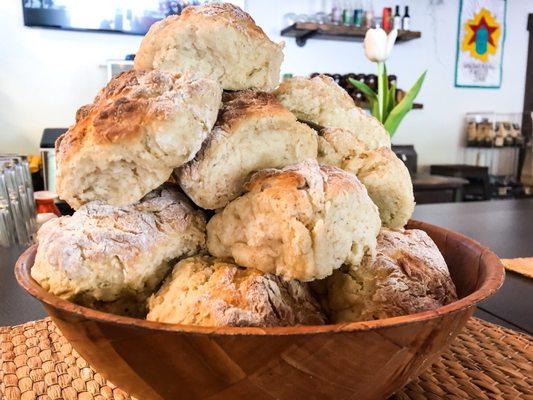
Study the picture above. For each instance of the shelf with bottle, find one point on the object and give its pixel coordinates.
(347, 21)
(370, 79)
(303, 31)
(494, 140)
(494, 130)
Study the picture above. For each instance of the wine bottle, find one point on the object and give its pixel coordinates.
(397, 21)
(406, 20)
(336, 13)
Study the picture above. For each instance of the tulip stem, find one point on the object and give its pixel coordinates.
(381, 90)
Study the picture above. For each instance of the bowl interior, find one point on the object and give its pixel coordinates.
(475, 270)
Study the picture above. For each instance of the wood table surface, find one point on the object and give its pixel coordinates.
(505, 226)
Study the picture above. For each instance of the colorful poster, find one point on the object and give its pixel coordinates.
(480, 39)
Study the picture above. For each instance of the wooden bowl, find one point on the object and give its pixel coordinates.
(361, 360)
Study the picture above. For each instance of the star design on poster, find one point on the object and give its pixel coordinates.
(482, 35)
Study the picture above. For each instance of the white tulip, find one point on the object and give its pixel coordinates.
(378, 45)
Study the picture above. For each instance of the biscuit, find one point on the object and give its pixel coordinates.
(384, 175)
(300, 222)
(218, 41)
(253, 131)
(128, 141)
(112, 258)
(206, 291)
(409, 275)
(388, 182)
(321, 101)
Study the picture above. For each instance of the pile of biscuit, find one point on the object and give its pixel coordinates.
(206, 193)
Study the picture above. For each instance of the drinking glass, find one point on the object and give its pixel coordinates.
(17, 206)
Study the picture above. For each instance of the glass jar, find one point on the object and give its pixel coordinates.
(45, 203)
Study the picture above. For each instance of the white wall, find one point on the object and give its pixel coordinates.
(436, 130)
(45, 75)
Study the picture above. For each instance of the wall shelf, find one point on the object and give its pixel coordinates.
(468, 146)
(416, 106)
(302, 31)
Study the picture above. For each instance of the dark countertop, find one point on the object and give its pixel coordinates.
(423, 181)
(16, 306)
(505, 226)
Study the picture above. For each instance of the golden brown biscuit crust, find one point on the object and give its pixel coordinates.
(253, 131)
(139, 128)
(238, 106)
(210, 292)
(118, 112)
(335, 180)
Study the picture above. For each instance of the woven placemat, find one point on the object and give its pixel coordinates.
(484, 362)
(522, 266)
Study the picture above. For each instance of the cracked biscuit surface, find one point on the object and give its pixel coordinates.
(321, 101)
(384, 175)
(210, 292)
(112, 258)
(409, 275)
(219, 41)
(300, 222)
(253, 131)
(139, 128)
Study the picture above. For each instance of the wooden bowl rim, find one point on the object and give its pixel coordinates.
(493, 281)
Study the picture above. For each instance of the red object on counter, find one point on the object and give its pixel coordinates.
(44, 201)
(387, 18)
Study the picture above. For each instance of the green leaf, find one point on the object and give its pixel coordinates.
(383, 80)
(403, 107)
(374, 108)
(363, 87)
(371, 96)
(390, 101)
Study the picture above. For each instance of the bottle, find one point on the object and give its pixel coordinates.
(369, 16)
(286, 76)
(371, 81)
(347, 85)
(360, 77)
(406, 20)
(128, 20)
(347, 13)
(392, 80)
(119, 18)
(397, 20)
(358, 97)
(45, 206)
(336, 13)
(290, 19)
(358, 14)
(386, 18)
(348, 76)
(337, 78)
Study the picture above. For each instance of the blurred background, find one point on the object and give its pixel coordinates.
(466, 139)
(466, 142)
